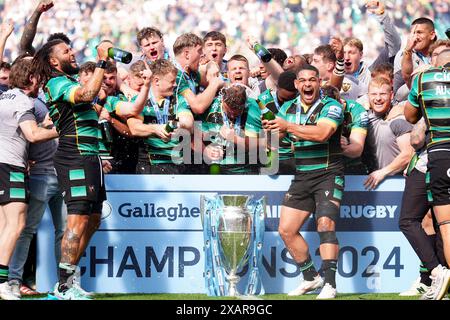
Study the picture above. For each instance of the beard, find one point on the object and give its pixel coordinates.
(66, 67)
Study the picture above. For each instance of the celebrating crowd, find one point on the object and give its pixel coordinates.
(323, 101)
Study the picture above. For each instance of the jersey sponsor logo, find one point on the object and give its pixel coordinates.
(335, 112)
(9, 96)
(442, 91)
(364, 119)
(448, 173)
(2, 192)
(444, 76)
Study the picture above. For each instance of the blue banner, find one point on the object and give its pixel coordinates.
(151, 237)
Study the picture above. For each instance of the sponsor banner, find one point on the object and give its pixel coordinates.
(151, 240)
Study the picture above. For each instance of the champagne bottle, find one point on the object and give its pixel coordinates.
(263, 54)
(106, 131)
(214, 168)
(171, 126)
(120, 55)
(267, 114)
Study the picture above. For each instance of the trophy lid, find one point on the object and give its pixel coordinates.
(235, 200)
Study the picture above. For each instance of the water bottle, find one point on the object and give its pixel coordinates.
(171, 126)
(120, 55)
(263, 54)
(106, 130)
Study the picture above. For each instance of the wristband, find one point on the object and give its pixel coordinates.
(339, 68)
(101, 64)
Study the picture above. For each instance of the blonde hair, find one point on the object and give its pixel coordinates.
(355, 42)
(187, 40)
(379, 82)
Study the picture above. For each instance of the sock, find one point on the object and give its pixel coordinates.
(4, 271)
(329, 268)
(307, 269)
(66, 272)
(425, 275)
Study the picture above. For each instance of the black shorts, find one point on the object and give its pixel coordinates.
(438, 178)
(307, 190)
(13, 184)
(82, 182)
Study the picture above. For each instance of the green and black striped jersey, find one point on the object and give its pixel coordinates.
(310, 155)
(156, 150)
(249, 125)
(112, 104)
(77, 124)
(356, 118)
(187, 81)
(430, 92)
(267, 99)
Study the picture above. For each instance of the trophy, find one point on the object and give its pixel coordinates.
(233, 231)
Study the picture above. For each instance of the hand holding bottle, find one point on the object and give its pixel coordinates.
(102, 50)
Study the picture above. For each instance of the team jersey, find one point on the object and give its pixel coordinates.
(310, 155)
(430, 92)
(158, 151)
(76, 123)
(355, 118)
(186, 81)
(268, 99)
(248, 124)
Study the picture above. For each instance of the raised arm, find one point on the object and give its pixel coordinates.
(271, 66)
(133, 109)
(337, 77)
(29, 32)
(89, 91)
(6, 29)
(392, 40)
(407, 61)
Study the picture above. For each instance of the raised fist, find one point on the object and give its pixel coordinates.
(375, 7)
(338, 47)
(45, 5)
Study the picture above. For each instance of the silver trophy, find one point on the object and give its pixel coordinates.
(233, 232)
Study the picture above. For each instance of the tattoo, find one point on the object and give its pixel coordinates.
(88, 95)
(69, 247)
(417, 137)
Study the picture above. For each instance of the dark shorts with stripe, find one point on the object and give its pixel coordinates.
(438, 178)
(13, 184)
(82, 182)
(307, 190)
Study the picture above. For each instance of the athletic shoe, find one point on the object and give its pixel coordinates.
(6, 292)
(328, 292)
(15, 287)
(441, 281)
(417, 288)
(307, 286)
(27, 291)
(77, 284)
(69, 294)
(81, 291)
